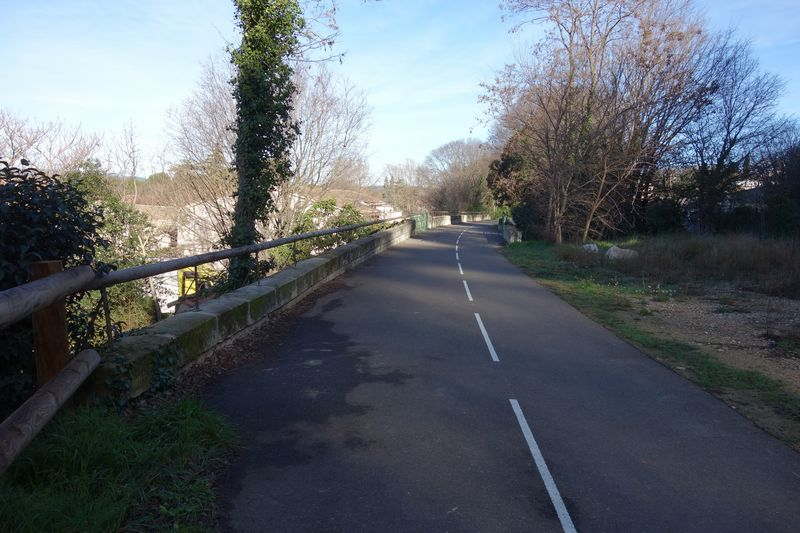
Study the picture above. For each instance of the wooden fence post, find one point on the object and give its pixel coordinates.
(49, 328)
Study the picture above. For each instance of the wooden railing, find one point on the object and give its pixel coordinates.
(64, 376)
(18, 430)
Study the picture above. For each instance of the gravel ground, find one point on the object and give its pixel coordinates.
(745, 329)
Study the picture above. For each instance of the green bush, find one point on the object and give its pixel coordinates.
(500, 212)
(528, 219)
(126, 232)
(782, 216)
(43, 218)
(322, 214)
(740, 219)
(80, 220)
(663, 216)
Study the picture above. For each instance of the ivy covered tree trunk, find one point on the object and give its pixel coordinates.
(265, 131)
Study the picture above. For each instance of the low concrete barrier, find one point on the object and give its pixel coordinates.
(474, 217)
(426, 221)
(136, 362)
(440, 220)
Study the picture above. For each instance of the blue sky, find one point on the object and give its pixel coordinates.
(420, 62)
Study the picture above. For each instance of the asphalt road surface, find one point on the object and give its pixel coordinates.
(436, 387)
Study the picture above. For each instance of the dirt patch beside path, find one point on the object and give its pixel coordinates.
(747, 330)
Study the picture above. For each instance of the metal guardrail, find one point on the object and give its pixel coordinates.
(440, 213)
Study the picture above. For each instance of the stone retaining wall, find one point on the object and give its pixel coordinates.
(436, 221)
(136, 362)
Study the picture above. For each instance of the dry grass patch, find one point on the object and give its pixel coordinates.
(769, 266)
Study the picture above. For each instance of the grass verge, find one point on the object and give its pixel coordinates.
(93, 469)
(601, 294)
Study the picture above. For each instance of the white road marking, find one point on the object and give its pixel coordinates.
(460, 271)
(466, 288)
(549, 484)
(487, 339)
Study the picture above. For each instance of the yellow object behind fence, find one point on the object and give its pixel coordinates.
(187, 285)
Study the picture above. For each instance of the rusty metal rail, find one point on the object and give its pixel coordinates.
(23, 300)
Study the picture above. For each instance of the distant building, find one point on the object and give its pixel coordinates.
(199, 227)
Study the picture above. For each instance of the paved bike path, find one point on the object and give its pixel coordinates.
(383, 409)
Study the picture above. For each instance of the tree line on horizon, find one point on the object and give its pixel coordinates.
(631, 116)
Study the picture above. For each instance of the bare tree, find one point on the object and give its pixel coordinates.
(403, 186)
(333, 118)
(125, 157)
(600, 103)
(51, 146)
(739, 121)
(201, 184)
(455, 176)
(202, 124)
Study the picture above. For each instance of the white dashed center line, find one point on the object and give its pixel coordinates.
(544, 472)
(486, 338)
(533, 446)
(466, 288)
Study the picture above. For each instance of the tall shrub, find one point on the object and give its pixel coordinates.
(41, 218)
(127, 236)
